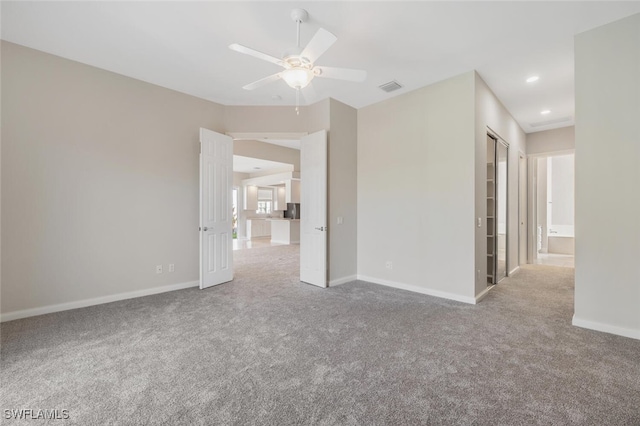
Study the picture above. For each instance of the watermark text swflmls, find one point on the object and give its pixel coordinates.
(36, 414)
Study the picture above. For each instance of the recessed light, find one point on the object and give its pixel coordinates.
(532, 79)
(545, 112)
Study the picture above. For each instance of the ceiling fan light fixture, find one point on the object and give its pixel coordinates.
(297, 77)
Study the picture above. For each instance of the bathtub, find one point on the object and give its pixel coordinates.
(561, 240)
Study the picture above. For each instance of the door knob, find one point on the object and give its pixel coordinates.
(207, 229)
(322, 228)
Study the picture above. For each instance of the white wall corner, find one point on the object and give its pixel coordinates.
(606, 328)
(343, 280)
(49, 309)
(417, 289)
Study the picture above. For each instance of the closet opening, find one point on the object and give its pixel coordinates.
(496, 219)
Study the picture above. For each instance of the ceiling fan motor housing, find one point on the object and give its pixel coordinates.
(299, 15)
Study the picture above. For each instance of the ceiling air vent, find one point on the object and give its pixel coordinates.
(390, 86)
(550, 122)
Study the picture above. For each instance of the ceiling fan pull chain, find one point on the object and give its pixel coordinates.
(298, 101)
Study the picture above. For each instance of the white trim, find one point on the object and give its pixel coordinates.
(343, 280)
(484, 293)
(552, 153)
(25, 313)
(606, 328)
(266, 135)
(514, 270)
(421, 290)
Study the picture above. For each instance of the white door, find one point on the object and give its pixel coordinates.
(313, 203)
(522, 209)
(216, 218)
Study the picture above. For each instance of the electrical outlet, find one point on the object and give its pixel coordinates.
(158, 269)
(172, 267)
(340, 220)
(388, 264)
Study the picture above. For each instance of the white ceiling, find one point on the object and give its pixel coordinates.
(258, 166)
(184, 45)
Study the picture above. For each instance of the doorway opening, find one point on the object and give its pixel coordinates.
(267, 170)
(553, 209)
(266, 174)
(234, 201)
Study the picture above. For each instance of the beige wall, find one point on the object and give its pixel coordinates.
(99, 181)
(269, 119)
(490, 113)
(607, 287)
(0, 181)
(101, 173)
(416, 190)
(551, 141)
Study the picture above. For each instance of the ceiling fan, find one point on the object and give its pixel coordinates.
(298, 63)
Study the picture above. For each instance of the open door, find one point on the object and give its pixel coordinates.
(216, 222)
(313, 202)
(522, 209)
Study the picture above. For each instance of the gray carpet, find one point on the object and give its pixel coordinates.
(267, 349)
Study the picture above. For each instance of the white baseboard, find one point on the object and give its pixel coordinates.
(607, 328)
(343, 280)
(483, 293)
(25, 313)
(421, 290)
(516, 269)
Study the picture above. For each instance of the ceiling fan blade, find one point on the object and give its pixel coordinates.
(321, 41)
(256, 54)
(262, 82)
(342, 73)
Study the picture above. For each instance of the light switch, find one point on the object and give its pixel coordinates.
(339, 220)
(479, 222)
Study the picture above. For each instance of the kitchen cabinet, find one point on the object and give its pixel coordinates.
(285, 231)
(279, 198)
(258, 228)
(292, 188)
(251, 197)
